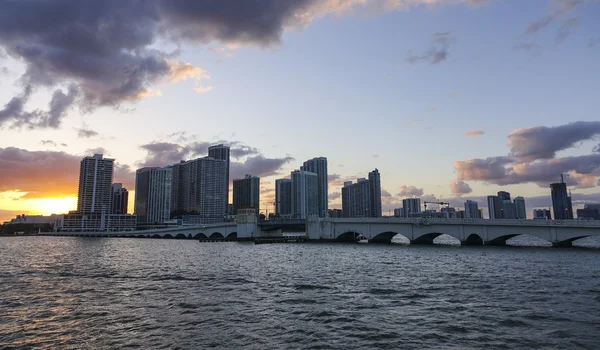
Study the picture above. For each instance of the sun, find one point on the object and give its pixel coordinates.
(47, 206)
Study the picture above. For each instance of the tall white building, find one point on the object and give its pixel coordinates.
(305, 194)
(521, 211)
(153, 195)
(95, 184)
(319, 167)
(356, 199)
(472, 210)
(411, 206)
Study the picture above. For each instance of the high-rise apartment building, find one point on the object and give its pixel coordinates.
(542, 214)
(472, 210)
(561, 201)
(356, 199)
(198, 189)
(95, 184)
(222, 152)
(119, 199)
(246, 193)
(283, 197)
(319, 167)
(153, 195)
(494, 207)
(504, 196)
(520, 209)
(375, 187)
(412, 206)
(305, 194)
(509, 210)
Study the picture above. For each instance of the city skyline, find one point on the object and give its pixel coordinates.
(442, 113)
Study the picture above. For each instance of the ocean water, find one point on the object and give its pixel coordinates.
(99, 293)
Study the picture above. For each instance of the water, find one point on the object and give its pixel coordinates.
(64, 292)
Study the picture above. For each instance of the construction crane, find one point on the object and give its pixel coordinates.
(439, 203)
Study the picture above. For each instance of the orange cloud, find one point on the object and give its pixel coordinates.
(474, 133)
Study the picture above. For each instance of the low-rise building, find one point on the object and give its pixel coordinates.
(94, 222)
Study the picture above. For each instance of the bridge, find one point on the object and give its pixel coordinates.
(225, 230)
(561, 233)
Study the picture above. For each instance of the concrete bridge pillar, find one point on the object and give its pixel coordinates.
(247, 224)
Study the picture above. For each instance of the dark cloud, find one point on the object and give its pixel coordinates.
(258, 166)
(64, 145)
(490, 169)
(543, 142)
(438, 51)
(410, 191)
(4, 71)
(566, 29)
(333, 196)
(86, 133)
(385, 193)
(166, 153)
(460, 187)
(48, 143)
(97, 150)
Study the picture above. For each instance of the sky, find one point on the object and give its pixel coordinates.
(450, 99)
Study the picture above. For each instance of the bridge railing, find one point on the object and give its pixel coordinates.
(486, 222)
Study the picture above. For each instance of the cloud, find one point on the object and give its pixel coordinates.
(543, 142)
(474, 133)
(410, 191)
(106, 49)
(375, 156)
(258, 166)
(165, 153)
(4, 71)
(385, 193)
(203, 89)
(48, 142)
(567, 28)
(438, 51)
(460, 187)
(432, 108)
(86, 133)
(557, 9)
(333, 196)
(532, 48)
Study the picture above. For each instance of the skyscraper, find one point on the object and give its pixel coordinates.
(504, 196)
(472, 210)
(542, 214)
(494, 207)
(561, 201)
(305, 194)
(95, 184)
(509, 210)
(520, 207)
(246, 193)
(221, 152)
(411, 206)
(119, 199)
(199, 189)
(283, 197)
(153, 195)
(319, 167)
(375, 189)
(356, 199)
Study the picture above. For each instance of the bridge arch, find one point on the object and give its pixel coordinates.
(568, 242)
(200, 235)
(385, 237)
(232, 235)
(348, 236)
(426, 238)
(180, 236)
(216, 235)
(473, 239)
(168, 235)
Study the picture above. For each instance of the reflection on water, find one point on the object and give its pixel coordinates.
(62, 292)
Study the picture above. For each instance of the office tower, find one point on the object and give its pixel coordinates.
(449, 213)
(152, 203)
(494, 207)
(561, 201)
(305, 194)
(504, 196)
(283, 197)
(221, 152)
(472, 210)
(590, 213)
(542, 214)
(95, 184)
(520, 207)
(356, 199)
(120, 197)
(411, 206)
(246, 193)
(199, 190)
(375, 187)
(399, 212)
(319, 167)
(509, 210)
